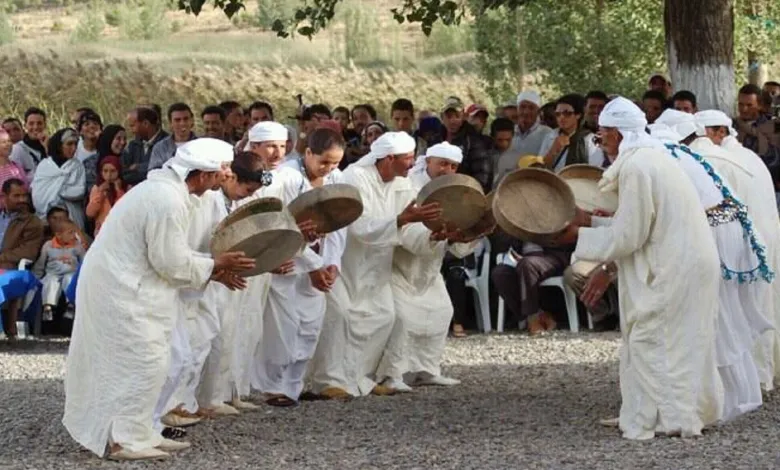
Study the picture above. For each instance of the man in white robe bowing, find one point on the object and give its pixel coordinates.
(751, 182)
(360, 315)
(668, 277)
(422, 306)
(128, 304)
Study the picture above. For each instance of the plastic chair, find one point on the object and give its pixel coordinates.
(568, 295)
(479, 280)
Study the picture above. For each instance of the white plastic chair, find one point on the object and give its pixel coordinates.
(479, 280)
(22, 327)
(568, 295)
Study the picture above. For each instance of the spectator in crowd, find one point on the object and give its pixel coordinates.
(8, 169)
(260, 111)
(660, 82)
(182, 121)
(109, 188)
(75, 116)
(29, 152)
(56, 266)
(594, 103)
(112, 142)
(402, 116)
(60, 179)
(14, 128)
(213, 118)
(372, 132)
(477, 162)
(89, 128)
(547, 115)
(428, 133)
(510, 111)
(772, 88)
(362, 115)
(757, 130)
(529, 133)
(685, 101)
(505, 158)
(234, 120)
(570, 144)
(22, 236)
(136, 156)
(342, 115)
(57, 217)
(477, 116)
(653, 104)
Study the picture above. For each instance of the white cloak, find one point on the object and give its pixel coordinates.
(63, 186)
(360, 314)
(294, 313)
(128, 301)
(422, 305)
(668, 276)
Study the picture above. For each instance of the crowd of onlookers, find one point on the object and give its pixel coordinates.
(57, 190)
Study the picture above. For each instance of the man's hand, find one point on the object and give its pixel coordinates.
(569, 235)
(582, 218)
(333, 272)
(415, 213)
(321, 280)
(309, 230)
(595, 287)
(602, 213)
(233, 261)
(285, 268)
(230, 279)
(560, 143)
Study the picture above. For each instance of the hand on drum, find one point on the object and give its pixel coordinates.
(321, 280)
(333, 271)
(235, 261)
(595, 287)
(309, 230)
(569, 235)
(285, 268)
(230, 279)
(582, 218)
(602, 213)
(415, 213)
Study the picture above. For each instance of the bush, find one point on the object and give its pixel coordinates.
(143, 20)
(6, 29)
(90, 26)
(448, 40)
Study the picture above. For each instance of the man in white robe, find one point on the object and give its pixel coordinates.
(360, 313)
(422, 306)
(751, 182)
(668, 275)
(128, 301)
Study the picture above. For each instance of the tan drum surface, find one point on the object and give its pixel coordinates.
(584, 183)
(264, 230)
(584, 268)
(534, 205)
(331, 207)
(462, 201)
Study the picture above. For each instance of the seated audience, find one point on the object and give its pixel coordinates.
(56, 266)
(108, 190)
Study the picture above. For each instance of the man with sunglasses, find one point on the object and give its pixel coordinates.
(571, 143)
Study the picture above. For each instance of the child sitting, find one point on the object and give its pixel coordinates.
(60, 257)
(56, 217)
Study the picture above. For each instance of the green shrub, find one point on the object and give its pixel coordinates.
(90, 26)
(143, 19)
(6, 29)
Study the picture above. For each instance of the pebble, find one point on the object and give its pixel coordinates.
(525, 403)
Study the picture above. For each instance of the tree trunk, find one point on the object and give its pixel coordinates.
(700, 50)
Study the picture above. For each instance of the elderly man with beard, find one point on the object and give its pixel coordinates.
(669, 272)
(128, 305)
(359, 317)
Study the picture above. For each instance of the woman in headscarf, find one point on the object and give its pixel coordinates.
(110, 143)
(8, 168)
(372, 132)
(107, 190)
(59, 179)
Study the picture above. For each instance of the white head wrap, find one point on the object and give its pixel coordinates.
(682, 123)
(267, 131)
(389, 143)
(531, 96)
(664, 133)
(713, 118)
(443, 150)
(630, 121)
(204, 154)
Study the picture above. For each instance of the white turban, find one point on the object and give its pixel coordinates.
(630, 121)
(444, 150)
(267, 131)
(389, 143)
(532, 96)
(682, 123)
(664, 133)
(713, 118)
(204, 154)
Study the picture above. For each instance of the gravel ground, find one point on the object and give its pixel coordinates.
(524, 404)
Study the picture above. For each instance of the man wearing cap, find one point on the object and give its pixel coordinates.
(661, 83)
(475, 146)
(751, 182)
(477, 116)
(128, 287)
(530, 133)
(359, 317)
(423, 308)
(668, 377)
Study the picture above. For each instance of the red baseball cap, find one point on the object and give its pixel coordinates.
(475, 109)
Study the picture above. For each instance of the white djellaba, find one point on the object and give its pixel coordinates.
(668, 280)
(128, 304)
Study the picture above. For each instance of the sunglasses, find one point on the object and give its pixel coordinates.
(564, 113)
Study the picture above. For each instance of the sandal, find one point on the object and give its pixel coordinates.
(458, 331)
(281, 401)
(173, 433)
(310, 396)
